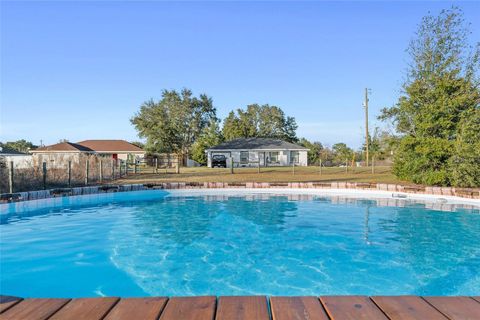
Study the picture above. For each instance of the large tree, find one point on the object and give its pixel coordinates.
(263, 121)
(175, 122)
(210, 137)
(440, 98)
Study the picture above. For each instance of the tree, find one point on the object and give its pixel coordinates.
(19, 145)
(210, 137)
(231, 127)
(263, 121)
(441, 92)
(314, 152)
(175, 122)
(465, 163)
(342, 152)
(139, 144)
(381, 144)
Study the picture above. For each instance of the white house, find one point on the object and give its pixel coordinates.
(20, 160)
(251, 152)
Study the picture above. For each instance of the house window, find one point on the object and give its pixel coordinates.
(294, 157)
(273, 157)
(243, 157)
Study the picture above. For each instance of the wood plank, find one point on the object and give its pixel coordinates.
(407, 308)
(456, 308)
(6, 302)
(191, 308)
(237, 308)
(85, 308)
(137, 308)
(34, 309)
(297, 308)
(351, 308)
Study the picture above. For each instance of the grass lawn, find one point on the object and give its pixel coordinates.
(271, 174)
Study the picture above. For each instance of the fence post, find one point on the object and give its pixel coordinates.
(135, 166)
(69, 173)
(293, 167)
(44, 171)
(346, 165)
(177, 167)
(320, 166)
(10, 177)
(87, 169)
(101, 171)
(231, 164)
(113, 169)
(156, 165)
(126, 167)
(259, 165)
(373, 164)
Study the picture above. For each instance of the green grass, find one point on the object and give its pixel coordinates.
(270, 174)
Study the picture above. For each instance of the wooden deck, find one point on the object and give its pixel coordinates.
(247, 308)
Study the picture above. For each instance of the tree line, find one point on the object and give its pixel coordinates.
(187, 125)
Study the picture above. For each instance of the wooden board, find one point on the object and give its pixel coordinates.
(7, 302)
(456, 308)
(34, 309)
(191, 308)
(407, 308)
(85, 308)
(297, 308)
(242, 308)
(137, 308)
(351, 308)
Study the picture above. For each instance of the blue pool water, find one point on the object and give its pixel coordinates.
(153, 243)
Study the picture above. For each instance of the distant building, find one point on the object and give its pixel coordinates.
(19, 159)
(6, 152)
(115, 149)
(251, 152)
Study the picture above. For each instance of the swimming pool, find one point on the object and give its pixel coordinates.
(236, 243)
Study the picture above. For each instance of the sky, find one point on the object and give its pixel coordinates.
(80, 70)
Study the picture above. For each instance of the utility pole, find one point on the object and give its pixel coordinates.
(366, 125)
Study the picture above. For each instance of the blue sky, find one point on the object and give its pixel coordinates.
(80, 70)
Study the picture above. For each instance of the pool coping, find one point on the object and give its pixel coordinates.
(449, 194)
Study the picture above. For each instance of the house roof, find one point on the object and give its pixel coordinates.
(7, 151)
(63, 147)
(113, 146)
(257, 143)
(110, 146)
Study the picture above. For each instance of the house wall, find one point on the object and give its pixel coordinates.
(254, 156)
(19, 161)
(123, 156)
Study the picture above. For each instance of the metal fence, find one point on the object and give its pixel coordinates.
(65, 172)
